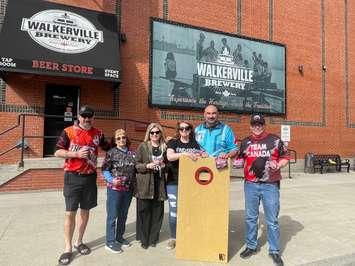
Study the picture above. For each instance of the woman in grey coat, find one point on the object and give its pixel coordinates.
(150, 189)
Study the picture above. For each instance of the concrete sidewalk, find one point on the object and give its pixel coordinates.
(317, 227)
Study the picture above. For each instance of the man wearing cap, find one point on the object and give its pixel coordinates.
(78, 144)
(264, 154)
(215, 138)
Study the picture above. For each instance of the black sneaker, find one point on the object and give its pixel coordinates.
(124, 243)
(247, 252)
(277, 259)
(114, 248)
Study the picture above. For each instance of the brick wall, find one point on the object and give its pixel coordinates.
(40, 179)
(320, 103)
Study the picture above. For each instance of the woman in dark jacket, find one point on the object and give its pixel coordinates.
(150, 189)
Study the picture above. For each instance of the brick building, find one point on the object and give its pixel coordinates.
(320, 104)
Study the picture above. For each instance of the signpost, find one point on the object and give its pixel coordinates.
(286, 134)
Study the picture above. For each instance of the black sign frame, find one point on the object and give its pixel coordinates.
(272, 95)
(21, 53)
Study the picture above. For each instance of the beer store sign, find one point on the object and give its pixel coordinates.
(45, 38)
(62, 31)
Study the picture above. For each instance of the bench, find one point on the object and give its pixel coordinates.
(323, 162)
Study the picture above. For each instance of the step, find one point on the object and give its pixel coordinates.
(7, 172)
(10, 171)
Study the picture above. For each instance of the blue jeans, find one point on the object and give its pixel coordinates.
(269, 195)
(172, 191)
(117, 205)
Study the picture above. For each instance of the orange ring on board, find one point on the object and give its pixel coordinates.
(199, 171)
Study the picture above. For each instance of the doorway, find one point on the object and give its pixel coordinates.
(61, 101)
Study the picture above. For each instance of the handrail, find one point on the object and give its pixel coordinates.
(8, 150)
(96, 118)
(11, 128)
(23, 136)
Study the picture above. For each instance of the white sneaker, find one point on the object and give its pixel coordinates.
(171, 244)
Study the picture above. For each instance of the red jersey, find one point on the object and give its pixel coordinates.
(259, 153)
(73, 138)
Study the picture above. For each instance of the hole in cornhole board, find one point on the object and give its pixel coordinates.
(203, 176)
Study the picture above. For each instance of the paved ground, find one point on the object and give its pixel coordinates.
(317, 227)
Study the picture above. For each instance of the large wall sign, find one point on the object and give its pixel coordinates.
(191, 67)
(46, 38)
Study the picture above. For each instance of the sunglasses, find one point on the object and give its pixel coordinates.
(86, 116)
(187, 128)
(123, 138)
(154, 132)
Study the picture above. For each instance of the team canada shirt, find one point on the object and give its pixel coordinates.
(258, 153)
(73, 138)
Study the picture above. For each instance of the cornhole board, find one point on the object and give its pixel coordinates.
(203, 211)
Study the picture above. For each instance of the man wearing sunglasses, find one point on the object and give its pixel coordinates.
(264, 154)
(215, 137)
(78, 145)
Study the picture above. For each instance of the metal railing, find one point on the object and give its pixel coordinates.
(23, 145)
(293, 160)
(8, 130)
(21, 121)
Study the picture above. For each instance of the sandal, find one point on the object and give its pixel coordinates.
(83, 249)
(65, 258)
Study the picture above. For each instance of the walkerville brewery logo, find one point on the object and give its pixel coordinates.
(222, 72)
(62, 31)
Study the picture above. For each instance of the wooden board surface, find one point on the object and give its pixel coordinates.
(203, 211)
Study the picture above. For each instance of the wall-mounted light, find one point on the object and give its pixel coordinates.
(300, 69)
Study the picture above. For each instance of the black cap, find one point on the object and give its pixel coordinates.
(257, 119)
(86, 110)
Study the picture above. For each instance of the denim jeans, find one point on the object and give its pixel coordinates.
(172, 191)
(269, 195)
(117, 205)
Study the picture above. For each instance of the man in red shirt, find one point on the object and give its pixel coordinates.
(264, 154)
(78, 144)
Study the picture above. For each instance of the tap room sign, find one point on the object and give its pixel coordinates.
(45, 38)
(191, 67)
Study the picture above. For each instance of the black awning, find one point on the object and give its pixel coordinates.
(45, 38)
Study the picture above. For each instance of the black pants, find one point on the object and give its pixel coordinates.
(150, 215)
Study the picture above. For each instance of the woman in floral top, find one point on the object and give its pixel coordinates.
(119, 172)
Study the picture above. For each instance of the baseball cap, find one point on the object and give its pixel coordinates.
(86, 110)
(257, 119)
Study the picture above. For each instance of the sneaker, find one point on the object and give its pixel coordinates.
(124, 243)
(114, 248)
(277, 259)
(171, 244)
(247, 252)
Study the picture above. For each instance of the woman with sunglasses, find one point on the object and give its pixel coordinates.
(119, 172)
(150, 189)
(185, 144)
